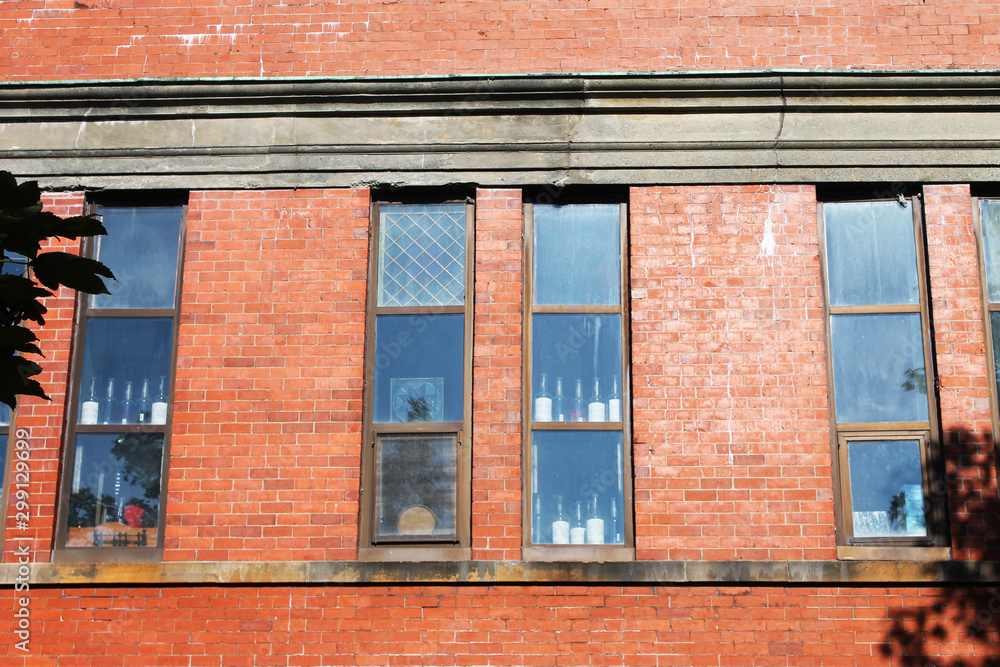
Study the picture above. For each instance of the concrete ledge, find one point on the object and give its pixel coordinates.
(815, 573)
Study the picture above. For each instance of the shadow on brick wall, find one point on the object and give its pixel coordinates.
(957, 626)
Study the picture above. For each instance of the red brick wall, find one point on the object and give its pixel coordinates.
(266, 443)
(43, 420)
(496, 397)
(94, 39)
(542, 626)
(732, 444)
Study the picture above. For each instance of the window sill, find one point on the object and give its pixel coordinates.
(893, 553)
(413, 554)
(581, 554)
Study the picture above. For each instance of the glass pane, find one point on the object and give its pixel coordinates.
(871, 253)
(3, 460)
(995, 327)
(418, 368)
(577, 254)
(887, 489)
(126, 370)
(115, 493)
(576, 484)
(141, 250)
(421, 255)
(878, 368)
(416, 488)
(989, 214)
(580, 357)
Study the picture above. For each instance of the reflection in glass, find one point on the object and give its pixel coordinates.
(415, 487)
(577, 254)
(419, 368)
(871, 253)
(115, 490)
(878, 368)
(126, 370)
(3, 459)
(584, 470)
(579, 354)
(989, 215)
(995, 328)
(887, 498)
(421, 255)
(141, 250)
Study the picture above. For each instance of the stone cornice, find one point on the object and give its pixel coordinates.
(682, 127)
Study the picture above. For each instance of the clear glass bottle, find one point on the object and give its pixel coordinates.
(91, 408)
(559, 403)
(596, 407)
(543, 402)
(108, 404)
(158, 413)
(126, 407)
(560, 526)
(595, 524)
(614, 402)
(576, 413)
(577, 534)
(145, 406)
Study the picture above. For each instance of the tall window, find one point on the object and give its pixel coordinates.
(576, 404)
(114, 479)
(416, 464)
(880, 367)
(988, 210)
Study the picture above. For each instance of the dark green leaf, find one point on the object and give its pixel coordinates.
(80, 273)
(17, 339)
(16, 377)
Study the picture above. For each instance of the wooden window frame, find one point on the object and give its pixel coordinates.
(927, 433)
(91, 554)
(370, 549)
(576, 552)
(9, 473)
(989, 307)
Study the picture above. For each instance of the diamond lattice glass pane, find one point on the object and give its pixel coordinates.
(421, 255)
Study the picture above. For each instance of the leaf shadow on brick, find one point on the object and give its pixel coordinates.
(963, 619)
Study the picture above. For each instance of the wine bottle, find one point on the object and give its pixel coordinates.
(145, 408)
(595, 524)
(559, 403)
(596, 407)
(126, 406)
(108, 404)
(576, 405)
(158, 414)
(90, 409)
(577, 534)
(614, 402)
(543, 402)
(560, 527)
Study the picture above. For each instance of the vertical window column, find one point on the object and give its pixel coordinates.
(416, 478)
(881, 371)
(578, 455)
(114, 483)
